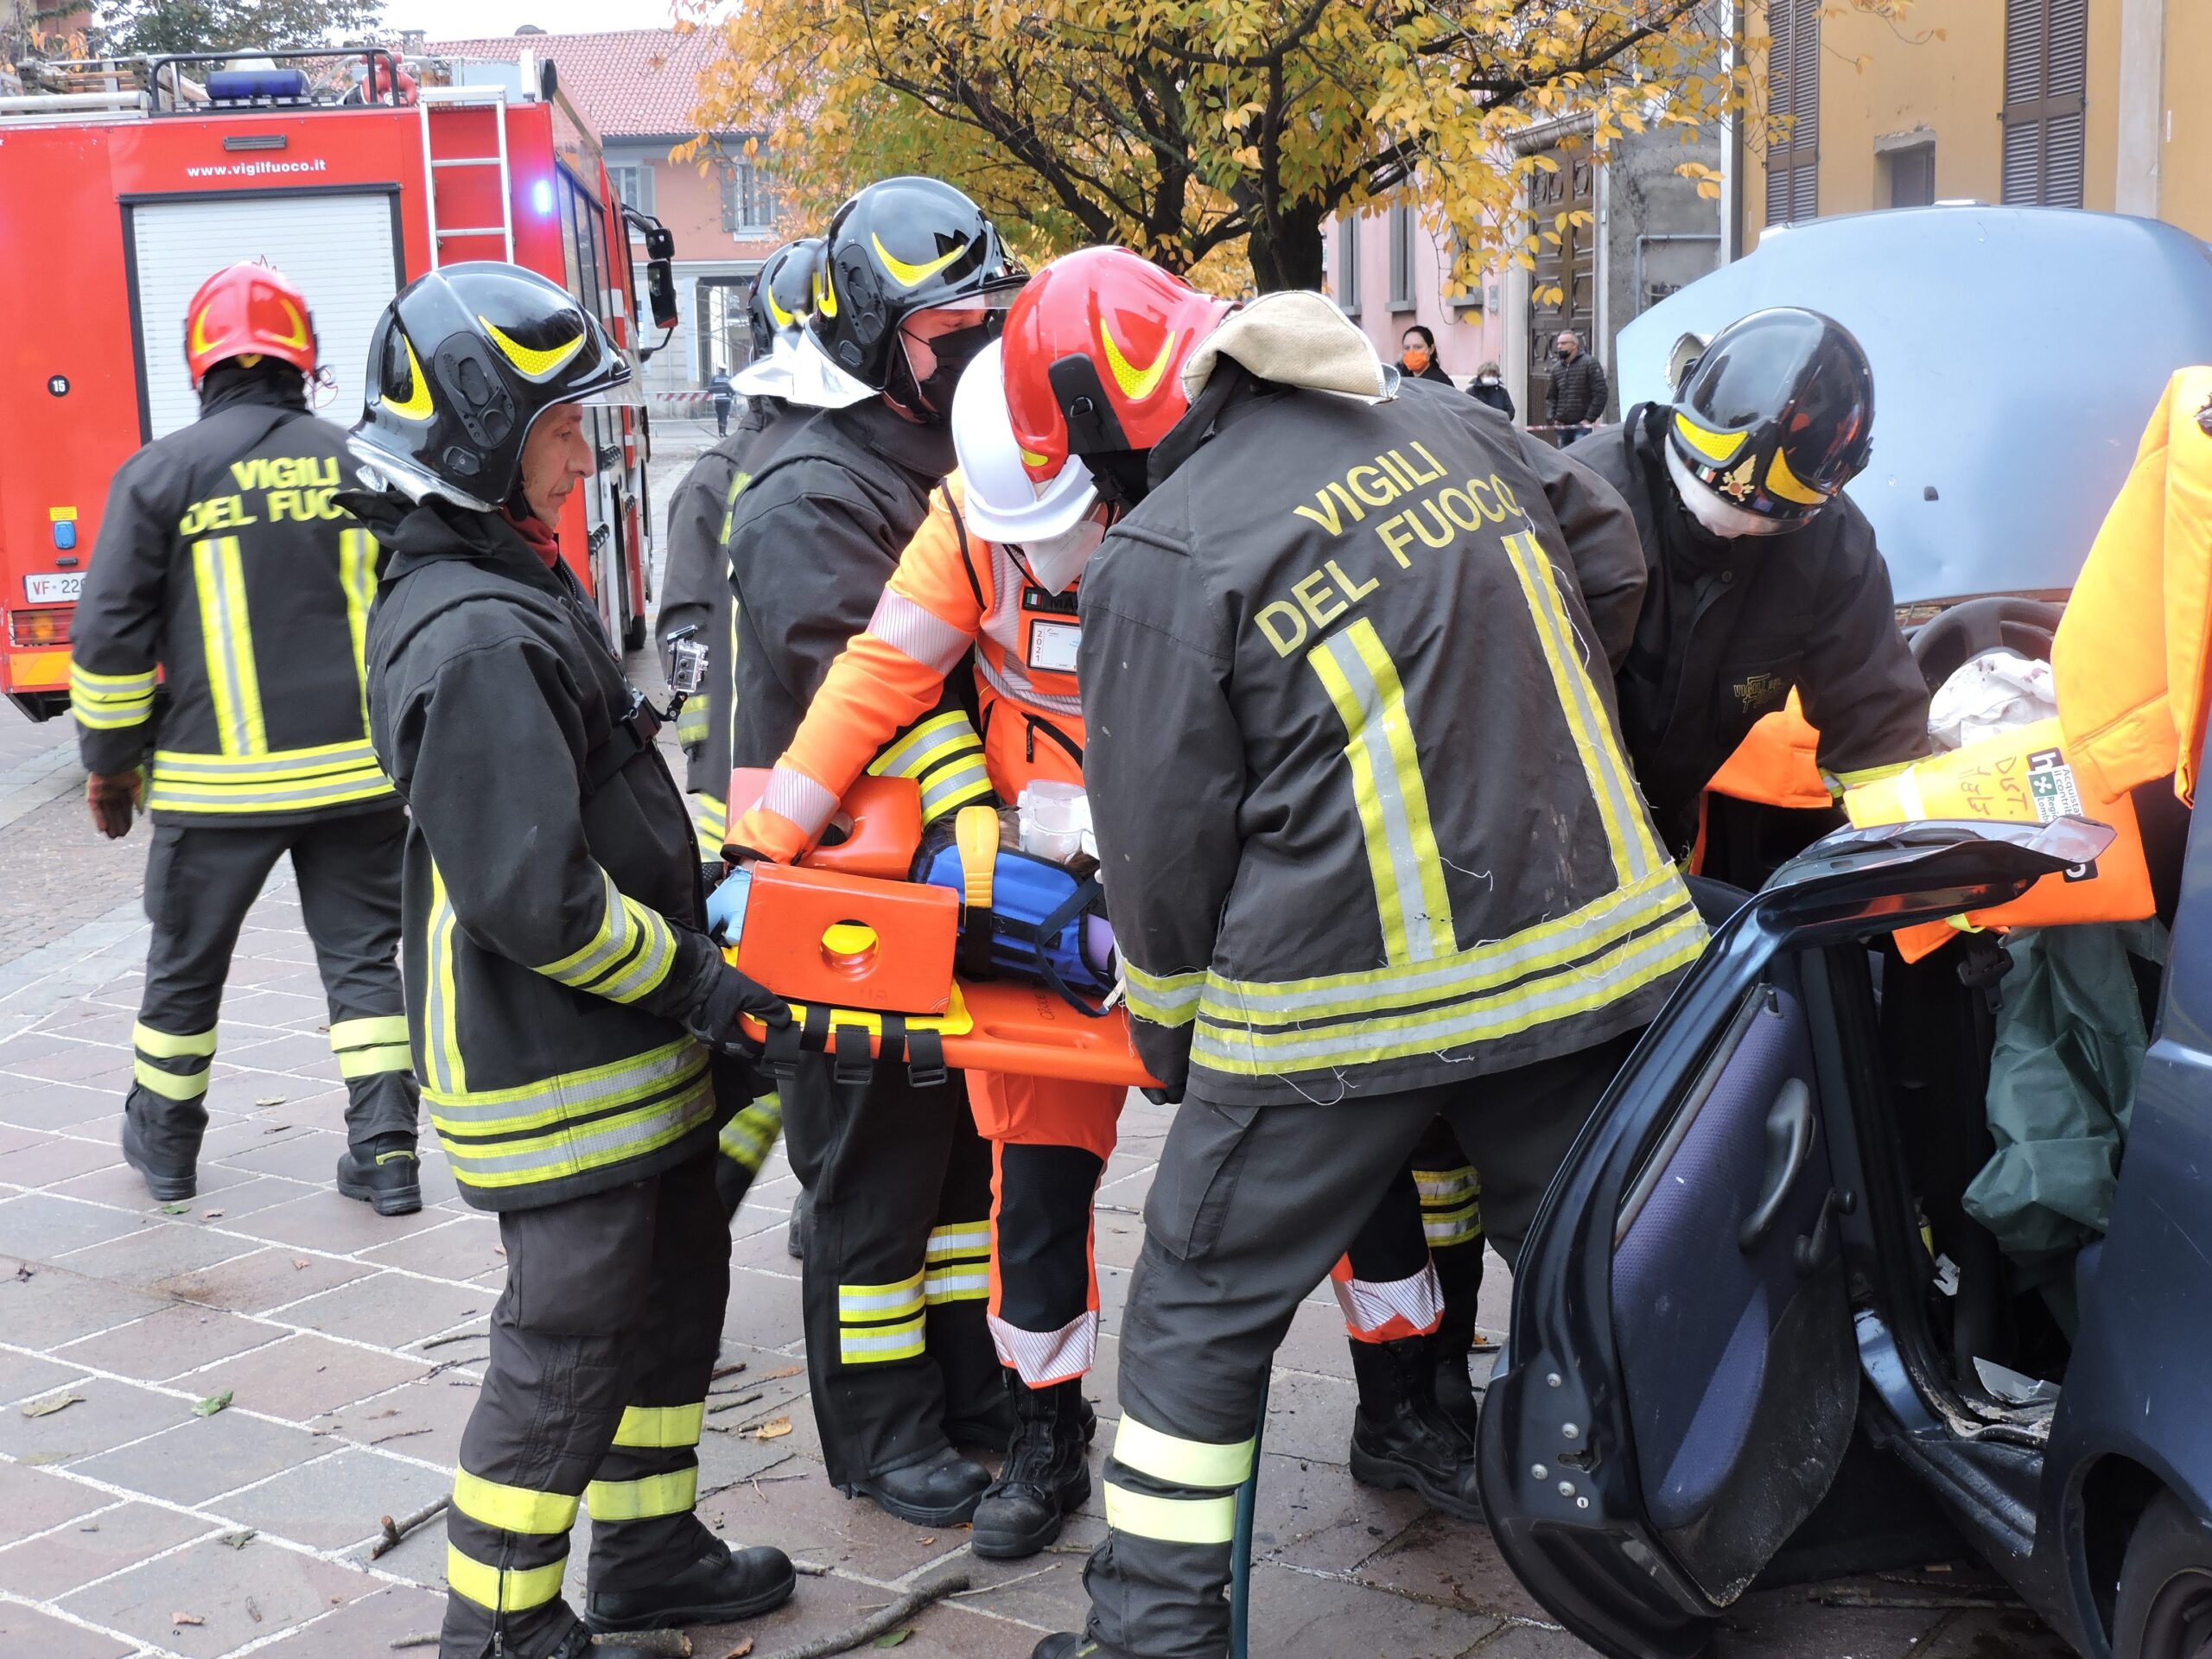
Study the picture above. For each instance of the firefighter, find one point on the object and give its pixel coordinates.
(1320, 598)
(575, 1023)
(1762, 576)
(914, 284)
(696, 607)
(227, 566)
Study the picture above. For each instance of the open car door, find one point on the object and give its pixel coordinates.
(1682, 1376)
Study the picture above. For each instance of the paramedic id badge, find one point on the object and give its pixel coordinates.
(2050, 785)
(1052, 646)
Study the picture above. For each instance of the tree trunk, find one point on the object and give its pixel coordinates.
(1290, 257)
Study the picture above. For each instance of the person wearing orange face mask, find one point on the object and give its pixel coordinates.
(1417, 355)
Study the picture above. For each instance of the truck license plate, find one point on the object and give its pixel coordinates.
(54, 586)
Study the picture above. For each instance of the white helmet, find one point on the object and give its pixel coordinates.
(1048, 523)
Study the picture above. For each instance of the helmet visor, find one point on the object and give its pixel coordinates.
(940, 341)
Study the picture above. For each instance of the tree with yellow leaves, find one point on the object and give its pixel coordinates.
(1196, 131)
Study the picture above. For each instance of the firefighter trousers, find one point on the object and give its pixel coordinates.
(1050, 1141)
(1250, 1206)
(200, 881)
(603, 1345)
(897, 1271)
(1415, 1266)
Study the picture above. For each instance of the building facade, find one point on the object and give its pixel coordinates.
(638, 89)
(2051, 103)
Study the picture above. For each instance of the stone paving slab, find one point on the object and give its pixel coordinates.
(326, 1326)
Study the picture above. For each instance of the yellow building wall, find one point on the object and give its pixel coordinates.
(2185, 157)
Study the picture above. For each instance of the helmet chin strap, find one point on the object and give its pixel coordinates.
(1716, 517)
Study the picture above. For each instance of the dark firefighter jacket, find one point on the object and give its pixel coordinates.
(695, 590)
(225, 562)
(551, 901)
(1730, 627)
(812, 540)
(1364, 816)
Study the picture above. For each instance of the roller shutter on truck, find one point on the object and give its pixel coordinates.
(339, 248)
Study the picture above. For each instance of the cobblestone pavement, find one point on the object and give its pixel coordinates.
(347, 1348)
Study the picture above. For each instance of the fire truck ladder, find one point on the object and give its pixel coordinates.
(495, 99)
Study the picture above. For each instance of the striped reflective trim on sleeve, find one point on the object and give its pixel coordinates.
(1840, 781)
(947, 788)
(1393, 800)
(357, 575)
(273, 781)
(945, 757)
(1169, 1000)
(1170, 1520)
(692, 723)
(916, 632)
(442, 1072)
(514, 1592)
(747, 1138)
(107, 703)
(713, 819)
(1178, 1462)
(366, 1046)
(792, 794)
(629, 955)
(1628, 826)
(645, 1498)
(227, 637)
(661, 1427)
(512, 1509)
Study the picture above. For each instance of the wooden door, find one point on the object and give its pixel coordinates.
(1569, 265)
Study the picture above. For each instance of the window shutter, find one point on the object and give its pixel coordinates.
(2046, 81)
(1793, 172)
(1401, 263)
(1348, 264)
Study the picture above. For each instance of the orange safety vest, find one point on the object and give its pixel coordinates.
(952, 596)
(2133, 652)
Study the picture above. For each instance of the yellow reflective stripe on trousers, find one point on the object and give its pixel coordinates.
(1170, 1520)
(1401, 855)
(370, 1045)
(275, 780)
(1628, 828)
(106, 702)
(357, 575)
(1446, 1227)
(892, 1301)
(963, 1281)
(226, 636)
(574, 1122)
(1451, 1205)
(1170, 1000)
(1178, 1462)
(1447, 1186)
(958, 1239)
(514, 1592)
(170, 1086)
(644, 1498)
(1577, 987)
(876, 1344)
(512, 1509)
(442, 1071)
(171, 1045)
(661, 1427)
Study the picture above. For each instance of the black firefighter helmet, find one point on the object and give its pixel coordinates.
(462, 363)
(1776, 415)
(784, 292)
(901, 247)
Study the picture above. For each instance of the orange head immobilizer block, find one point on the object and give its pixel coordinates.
(877, 831)
(850, 941)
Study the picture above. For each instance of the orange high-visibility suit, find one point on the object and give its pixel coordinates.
(954, 596)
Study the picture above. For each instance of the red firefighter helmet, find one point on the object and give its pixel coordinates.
(1094, 348)
(248, 310)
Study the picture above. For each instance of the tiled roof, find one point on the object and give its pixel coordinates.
(627, 83)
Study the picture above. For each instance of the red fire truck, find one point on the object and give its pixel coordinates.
(351, 179)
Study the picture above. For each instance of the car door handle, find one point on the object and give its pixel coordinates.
(1788, 1148)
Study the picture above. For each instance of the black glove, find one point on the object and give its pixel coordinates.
(734, 993)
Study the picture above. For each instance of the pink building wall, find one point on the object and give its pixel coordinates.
(1467, 336)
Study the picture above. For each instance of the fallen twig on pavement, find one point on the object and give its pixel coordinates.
(419, 1639)
(985, 1589)
(395, 1531)
(457, 1336)
(1933, 1602)
(673, 1644)
(879, 1624)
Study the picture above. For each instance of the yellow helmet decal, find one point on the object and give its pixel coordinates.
(1028, 460)
(825, 294)
(299, 335)
(200, 340)
(1784, 483)
(1137, 383)
(777, 315)
(1716, 447)
(535, 364)
(913, 275)
(416, 404)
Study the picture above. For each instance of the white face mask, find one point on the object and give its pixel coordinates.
(1719, 518)
(1057, 561)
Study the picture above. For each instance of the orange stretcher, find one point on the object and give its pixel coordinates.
(866, 961)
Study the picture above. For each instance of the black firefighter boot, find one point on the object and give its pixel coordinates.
(385, 1173)
(1455, 1388)
(1046, 1475)
(161, 1141)
(720, 1588)
(1400, 1440)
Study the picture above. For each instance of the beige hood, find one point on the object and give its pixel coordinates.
(1295, 338)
